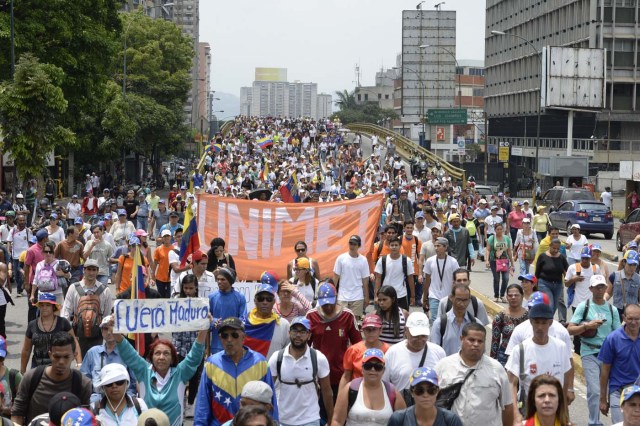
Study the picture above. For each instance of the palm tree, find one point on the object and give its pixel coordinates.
(346, 100)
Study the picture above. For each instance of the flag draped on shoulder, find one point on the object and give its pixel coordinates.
(289, 190)
(190, 238)
(137, 292)
(265, 142)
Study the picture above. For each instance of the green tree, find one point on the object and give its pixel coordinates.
(346, 100)
(31, 112)
(78, 36)
(149, 118)
(369, 112)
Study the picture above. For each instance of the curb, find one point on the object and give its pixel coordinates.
(493, 309)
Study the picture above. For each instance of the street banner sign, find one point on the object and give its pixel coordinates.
(447, 116)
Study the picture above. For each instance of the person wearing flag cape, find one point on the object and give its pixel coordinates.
(266, 331)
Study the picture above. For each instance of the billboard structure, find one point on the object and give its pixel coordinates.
(573, 78)
(271, 74)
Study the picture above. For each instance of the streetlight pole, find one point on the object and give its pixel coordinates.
(537, 159)
(455, 74)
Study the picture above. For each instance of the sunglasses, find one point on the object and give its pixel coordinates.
(420, 390)
(225, 336)
(373, 366)
(300, 250)
(118, 383)
(265, 299)
(47, 252)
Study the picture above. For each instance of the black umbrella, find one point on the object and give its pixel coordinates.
(257, 194)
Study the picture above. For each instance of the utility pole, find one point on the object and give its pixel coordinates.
(486, 147)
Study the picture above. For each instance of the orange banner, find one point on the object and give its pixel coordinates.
(261, 235)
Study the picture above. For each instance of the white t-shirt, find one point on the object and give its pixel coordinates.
(582, 287)
(435, 267)
(394, 275)
(490, 223)
(548, 359)
(352, 271)
(19, 240)
(576, 246)
(5, 230)
(606, 198)
(424, 235)
(298, 405)
(400, 362)
(524, 331)
(73, 210)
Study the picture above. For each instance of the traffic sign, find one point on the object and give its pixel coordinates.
(447, 116)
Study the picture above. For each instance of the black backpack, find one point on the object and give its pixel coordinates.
(384, 267)
(314, 365)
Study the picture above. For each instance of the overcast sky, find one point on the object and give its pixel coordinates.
(319, 41)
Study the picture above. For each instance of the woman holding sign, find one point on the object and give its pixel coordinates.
(161, 376)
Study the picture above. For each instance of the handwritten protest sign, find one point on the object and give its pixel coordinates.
(160, 315)
(261, 235)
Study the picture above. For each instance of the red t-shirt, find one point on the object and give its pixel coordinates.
(33, 257)
(353, 358)
(333, 337)
(515, 219)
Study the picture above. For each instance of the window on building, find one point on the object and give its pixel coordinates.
(379, 96)
(386, 96)
(460, 70)
(478, 92)
(366, 96)
(359, 97)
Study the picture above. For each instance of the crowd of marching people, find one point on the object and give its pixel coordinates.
(391, 335)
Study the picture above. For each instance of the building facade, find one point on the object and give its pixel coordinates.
(428, 65)
(245, 100)
(303, 99)
(514, 78)
(205, 96)
(325, 106)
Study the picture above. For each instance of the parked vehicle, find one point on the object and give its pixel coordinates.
(592, 216)
(629, 228)
(557, 195)
(486, 191)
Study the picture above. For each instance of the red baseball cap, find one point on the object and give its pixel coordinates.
(198, 255)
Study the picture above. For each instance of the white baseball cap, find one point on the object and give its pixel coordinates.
(418, 324)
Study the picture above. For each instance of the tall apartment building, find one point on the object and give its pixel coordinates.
(205, 99)
(303, 99)
(271, 94)
(427, 66)
(185, 14)
(513, 77)
(470, 84)
(245, 100)
(325, 106)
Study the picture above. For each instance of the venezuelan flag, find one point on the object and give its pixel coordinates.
(265, 142)
(137, 292)
(289, 190)
(190, 238)
(217, 147)
(259, 336)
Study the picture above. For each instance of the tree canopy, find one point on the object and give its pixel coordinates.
(368, 112)
(31, 110)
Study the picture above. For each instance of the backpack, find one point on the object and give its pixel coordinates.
(47, 279)
(76, 383)
(314, 365)
(443, 324)
(88, 314)
(354, 388)
(474, 303)
(384, 267)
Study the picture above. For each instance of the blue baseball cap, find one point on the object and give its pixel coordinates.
(596, 246)
(327, 295)
(54, 215)
(122, 212)
(270, 278)
(422, 375)
(540, 310)
(42, 234)
(265, 288)
(78, 221)
(107, 216)
(631, 257)
(373, 353)
(301, 321)
(528, 277)
(538, 298)
(585, 252)
(79, 417)
(628, 393)
(134, 241)
(33, 239)
(632, 244)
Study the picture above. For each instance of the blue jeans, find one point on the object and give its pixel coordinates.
(614, 407)
(499, 291)
(103, 279)
(142, 222)
(433, 308)
(17, 276)
(591, 367)
(551, 289)
(524, 267)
